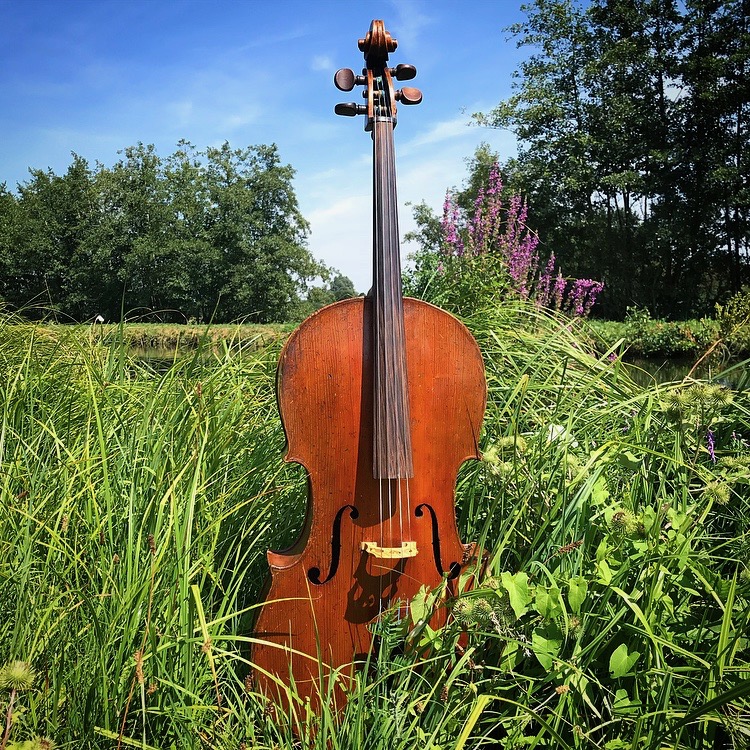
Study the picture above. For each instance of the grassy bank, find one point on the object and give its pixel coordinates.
(136, 507)
(173, 337)
(727, 336)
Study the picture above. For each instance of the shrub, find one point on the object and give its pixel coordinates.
(481, 256)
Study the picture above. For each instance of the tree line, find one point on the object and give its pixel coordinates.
(634, 146)
(214, 234)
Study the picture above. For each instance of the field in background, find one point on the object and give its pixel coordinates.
(137, 503)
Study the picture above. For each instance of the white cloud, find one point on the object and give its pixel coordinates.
(321, 63)
(458, 127)
(338, 201)
(411, 21)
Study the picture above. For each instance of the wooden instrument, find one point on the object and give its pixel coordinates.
(382, 400)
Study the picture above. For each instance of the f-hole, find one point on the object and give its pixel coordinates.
(314, 573)
(454, 569)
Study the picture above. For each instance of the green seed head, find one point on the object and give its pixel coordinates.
(490, 456)
(502, 611)
(730, 462)
(698, 394)
(493, 583)
(463, 610)
(717, 492)
(717, 396)
(623, 522)
(482, 613)
(17, 675)
(675, 404)
(511, 443)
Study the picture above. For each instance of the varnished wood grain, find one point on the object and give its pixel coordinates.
(323, 596)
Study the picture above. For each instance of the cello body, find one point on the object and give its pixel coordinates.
(382, 400)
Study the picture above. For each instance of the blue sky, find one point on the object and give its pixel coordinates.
(96, 76)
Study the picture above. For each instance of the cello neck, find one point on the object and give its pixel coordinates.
(392, 455)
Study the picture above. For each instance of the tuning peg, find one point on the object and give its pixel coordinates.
(350, 109)
(404, 72)
(408, 95)
(346, 80)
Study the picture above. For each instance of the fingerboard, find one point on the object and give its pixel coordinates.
(392, 454)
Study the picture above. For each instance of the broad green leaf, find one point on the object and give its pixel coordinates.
(599, 492)
(621, 661)
(418, 606)
(547, 602)
(604, 572)
(517, 586)
(622, 703)
(629, 460)
(577, 588)
(545, 643)
(649, 518)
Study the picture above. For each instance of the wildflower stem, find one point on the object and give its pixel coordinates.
(8, 719)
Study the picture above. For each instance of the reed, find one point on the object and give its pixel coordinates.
(136, 506)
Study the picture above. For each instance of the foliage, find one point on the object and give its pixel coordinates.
(339, 288)
(480, 255)
(632, 120)
(214, 234)
(136, 507)
(734, 321)
(640, 334)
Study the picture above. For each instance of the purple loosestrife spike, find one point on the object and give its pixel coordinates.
(499, 229)
(476, 229)
(544, 285)
(575, 298)
(711, 441)
(559, 290)
(594, 291)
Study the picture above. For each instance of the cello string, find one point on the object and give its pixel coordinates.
(396, 347)
(377, 427)
(398, 351)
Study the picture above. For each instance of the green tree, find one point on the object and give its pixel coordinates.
(51, 220)
(632, 121)
(201, 234)
(9, 231)
(259, 232)
(342, 287)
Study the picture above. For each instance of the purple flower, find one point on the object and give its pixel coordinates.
(559, 291)
(582, 296)
(498, 230)
(453, 244)
(710, 441)
(544, 285)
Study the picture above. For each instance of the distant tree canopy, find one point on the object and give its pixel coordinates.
(214, 234)
(633, 121)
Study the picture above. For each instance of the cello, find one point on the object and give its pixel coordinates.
(382, 399)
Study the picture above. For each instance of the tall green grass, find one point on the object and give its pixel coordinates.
(136, 506)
